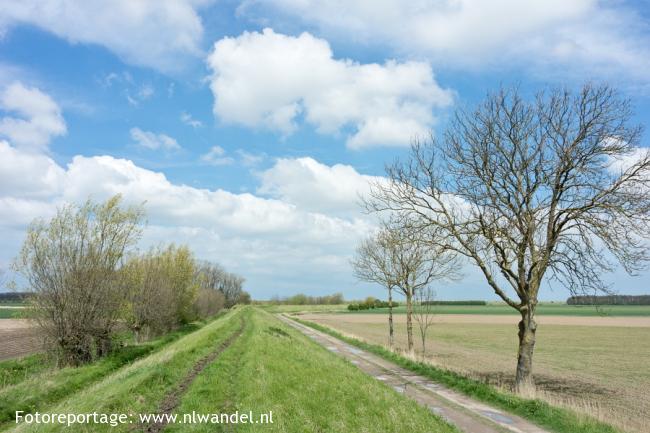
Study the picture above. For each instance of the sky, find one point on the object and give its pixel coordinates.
(250, 128)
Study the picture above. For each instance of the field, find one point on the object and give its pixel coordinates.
(246, 360)
(598, 365)
(18, 337)
(543, 309)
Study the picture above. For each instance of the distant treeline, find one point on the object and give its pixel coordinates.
(454, 303)
(302, 299)
(609, 300)
(14, 296)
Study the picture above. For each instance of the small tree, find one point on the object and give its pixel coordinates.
(71, 263)
(375, 262)
(397, 258)
(531, 190)
(424, 313)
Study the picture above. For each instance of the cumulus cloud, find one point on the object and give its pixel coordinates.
(216, 156)
(588, 36)
(280, 242)
(271, 80)
(317, 187)
(151, 33)
(153, 141)
(39, 119)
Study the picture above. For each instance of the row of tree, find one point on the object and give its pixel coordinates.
(302, 299)
(89, 283)
(553, 188)
(609, 300)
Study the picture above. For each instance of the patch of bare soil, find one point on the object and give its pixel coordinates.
(19, 337)
(172, 399)
(493, 319)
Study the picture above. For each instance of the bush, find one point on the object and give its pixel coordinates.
(353, 307)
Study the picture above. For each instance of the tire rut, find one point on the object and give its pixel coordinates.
(172, 400)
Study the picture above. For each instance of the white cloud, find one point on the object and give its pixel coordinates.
(216, 156)
(270, 80)
(28, 175)
(40, 117)
(587, 36)
(249, 159)
(620, 164)
(187, 119)
(316, 187)
(277, 244)
(151, 33)
(153, 141)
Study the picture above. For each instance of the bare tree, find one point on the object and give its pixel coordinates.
(424, 313)
(528, 190)
(71, 263)
(408, 265)
(374, 262)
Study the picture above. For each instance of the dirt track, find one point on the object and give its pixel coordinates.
(18, 337)
(634, 322)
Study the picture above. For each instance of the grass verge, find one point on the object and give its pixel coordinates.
(553, 418)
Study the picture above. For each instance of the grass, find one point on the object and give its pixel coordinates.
(32, 383)
(11, 313)
(556, 419)
(272, 367)
(542, 309)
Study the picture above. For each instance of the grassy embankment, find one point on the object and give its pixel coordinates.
(270, 367)
(33, 384)
(555, 419)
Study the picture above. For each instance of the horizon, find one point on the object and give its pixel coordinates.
(264, 179)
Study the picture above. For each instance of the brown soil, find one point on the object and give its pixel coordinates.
(18, 337)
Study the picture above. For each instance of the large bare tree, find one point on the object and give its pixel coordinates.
(554, 187)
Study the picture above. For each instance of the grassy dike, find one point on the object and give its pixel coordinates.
(137, 387)
(553, 418)
(273, 367)
(270, 367)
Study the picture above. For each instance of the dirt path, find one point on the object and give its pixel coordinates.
(173, 399)
(467, 414)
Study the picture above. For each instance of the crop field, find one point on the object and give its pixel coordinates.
(551, 309)
(18, 337)
(246, 360)
(590, 364)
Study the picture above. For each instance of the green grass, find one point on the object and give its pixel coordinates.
(11, 313)
(542, 310)
(555, 419)
(270, 367)
(273, 367)
(33, 384)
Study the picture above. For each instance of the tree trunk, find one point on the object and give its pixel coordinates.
(409, 319)
(524, 381)
(391, 337)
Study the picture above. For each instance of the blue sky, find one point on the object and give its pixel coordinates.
(250, 127)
